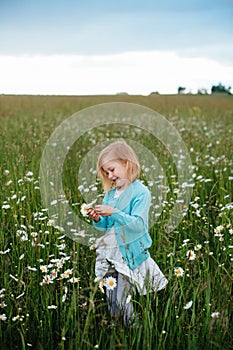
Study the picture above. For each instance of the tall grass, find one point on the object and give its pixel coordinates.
(69, 311)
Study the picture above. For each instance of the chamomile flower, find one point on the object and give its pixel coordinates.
(191, 255)
(3, 317)
(6, 206)
(218, 229)
(15, 318)
(59, 264)
(110, 282)
(178, 271)
(74, 279)
(84, 209)
(51, 222)
(195, 205)
(43, 268)
(47, 280)
(53, 273)
(29, 173)
(2, 292)
(3, 304)
(67, 273)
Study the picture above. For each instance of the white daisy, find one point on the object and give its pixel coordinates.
(84, 209)
(43, 268)
(51, 222)
(3, 317)
(191, 255)
(74, 279)
(67, 273)
(110, 282)
(15, 318)
(218, 229)
(178, 271)
(198, 247)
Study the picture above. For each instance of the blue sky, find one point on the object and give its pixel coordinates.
(193, 30)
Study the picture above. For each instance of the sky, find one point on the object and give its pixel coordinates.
(73, 47)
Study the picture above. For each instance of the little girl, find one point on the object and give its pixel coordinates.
(122, 252)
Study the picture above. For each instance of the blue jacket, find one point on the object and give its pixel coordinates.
(130, 222)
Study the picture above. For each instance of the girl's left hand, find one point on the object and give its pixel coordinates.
(104, 210)
(93, 214)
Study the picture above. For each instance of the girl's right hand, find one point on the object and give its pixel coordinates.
(93, 214)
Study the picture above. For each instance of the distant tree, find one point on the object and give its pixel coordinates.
(181, 90)
(122, 93)
(154, 93)
(220, 89)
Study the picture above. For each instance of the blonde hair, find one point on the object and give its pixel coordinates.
(122, 152)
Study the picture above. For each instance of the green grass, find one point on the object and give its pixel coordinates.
(79, 319)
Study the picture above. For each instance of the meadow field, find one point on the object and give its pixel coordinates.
(48, 296)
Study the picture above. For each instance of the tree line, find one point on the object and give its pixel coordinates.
(219, 89)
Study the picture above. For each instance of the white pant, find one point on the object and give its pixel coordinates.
(117, 298)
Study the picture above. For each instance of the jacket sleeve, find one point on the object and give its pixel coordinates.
(101, 224)
(135, 223)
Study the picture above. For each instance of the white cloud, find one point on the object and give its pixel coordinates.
(133, 72)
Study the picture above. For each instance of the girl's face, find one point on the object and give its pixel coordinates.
(116, 171)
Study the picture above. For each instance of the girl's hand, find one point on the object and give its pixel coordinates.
(93, 214)
(104, 210)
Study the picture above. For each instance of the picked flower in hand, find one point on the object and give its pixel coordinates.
(85, 207)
